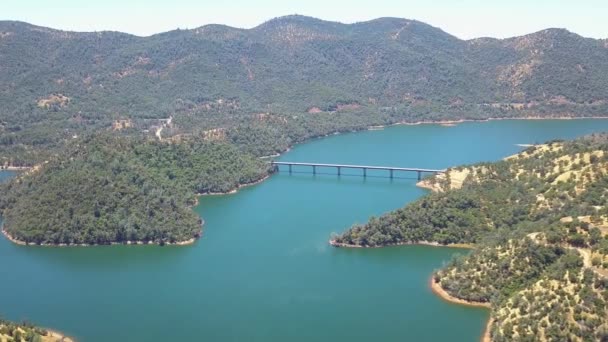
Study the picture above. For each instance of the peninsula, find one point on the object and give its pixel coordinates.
(538, 222)
(129, 190)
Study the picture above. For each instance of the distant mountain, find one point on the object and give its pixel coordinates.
(74, 81)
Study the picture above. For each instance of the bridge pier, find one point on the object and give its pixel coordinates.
(339, 167)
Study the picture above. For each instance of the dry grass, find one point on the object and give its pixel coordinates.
(55, 99)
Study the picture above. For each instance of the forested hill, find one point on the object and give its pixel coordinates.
(115, 189)
(541, 185)
(55, 84)
(539, 223)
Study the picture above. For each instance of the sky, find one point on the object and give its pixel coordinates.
(465, 19)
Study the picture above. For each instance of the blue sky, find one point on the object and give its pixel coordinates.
(464, 18)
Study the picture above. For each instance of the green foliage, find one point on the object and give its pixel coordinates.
(529, 229)
(506, 268)
(116, 189)
(256, 92)
(498, 201)
(383, 71)
(442, 218)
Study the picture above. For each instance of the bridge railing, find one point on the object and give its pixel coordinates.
(339, 168)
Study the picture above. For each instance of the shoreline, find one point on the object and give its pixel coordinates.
(231, 192)
(487, 337)
(435, 286)
(58, 336)
(275, 155)
(235, 190)
(9, 237)
(448, 123)
(444, 123)
(425, 184)
(452, 123)
(419, 243)
(45, 334)
(190, 241)
(444, 295)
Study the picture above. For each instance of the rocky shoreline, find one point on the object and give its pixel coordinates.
(235, 190)
(149, 242)
(419, 243)
(443, 294)
(426, 184)
(54, 335)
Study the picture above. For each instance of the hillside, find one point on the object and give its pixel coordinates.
(289, 70)
(538, 221)
(113, 189)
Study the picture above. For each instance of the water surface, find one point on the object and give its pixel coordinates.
(263, 270)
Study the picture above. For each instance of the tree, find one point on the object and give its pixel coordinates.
(577, 240)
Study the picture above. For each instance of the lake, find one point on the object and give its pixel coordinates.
(263, 270)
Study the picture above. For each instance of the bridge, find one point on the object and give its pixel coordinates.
(339, 168)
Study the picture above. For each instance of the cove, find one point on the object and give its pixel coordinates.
(263, 270)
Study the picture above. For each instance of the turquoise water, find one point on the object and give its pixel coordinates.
(263, 270)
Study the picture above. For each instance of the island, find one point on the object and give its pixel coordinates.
(537, 224)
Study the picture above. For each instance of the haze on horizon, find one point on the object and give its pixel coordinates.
(465, 19)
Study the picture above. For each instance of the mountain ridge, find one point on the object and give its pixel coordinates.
(291, 17)
(58, 84)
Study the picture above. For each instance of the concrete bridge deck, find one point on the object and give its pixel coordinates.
(339, 168)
